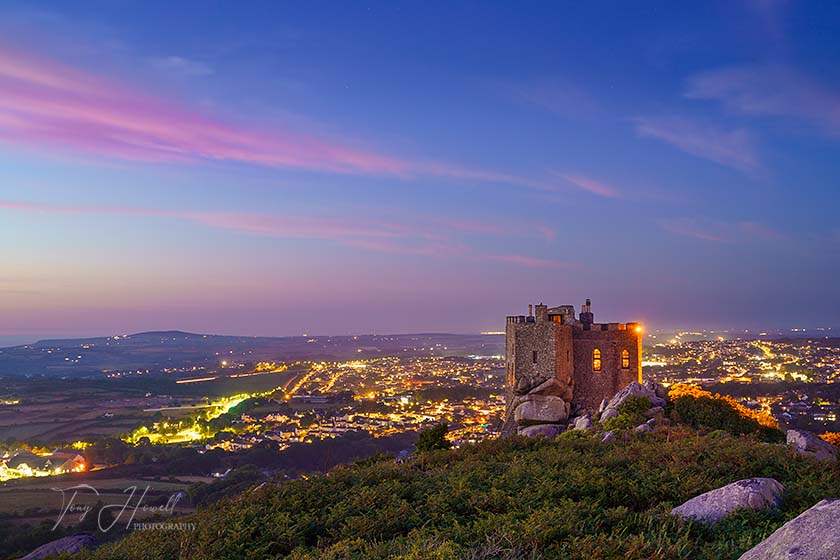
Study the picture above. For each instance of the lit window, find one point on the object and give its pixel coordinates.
(596, 360)
(625, 359)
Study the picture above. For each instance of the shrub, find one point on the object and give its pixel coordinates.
(574, 434)
(832, 437)
(763, 418)
(719, 434)
(631, 413)
(518, 498)
(711, 413)
(433, 438)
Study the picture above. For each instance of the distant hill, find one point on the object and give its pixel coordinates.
(572, 498)
(155, 351)
(143, 337)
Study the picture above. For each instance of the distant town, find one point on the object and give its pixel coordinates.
(217, 398)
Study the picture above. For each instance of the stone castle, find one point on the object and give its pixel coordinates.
(558, 364)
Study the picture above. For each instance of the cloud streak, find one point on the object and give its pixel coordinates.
(592, 186)
(721, 232)
(45, 104)
(180, 66)
(531, 262)
(562, 98)
(431, 238)
(770, 90)
(731, 148)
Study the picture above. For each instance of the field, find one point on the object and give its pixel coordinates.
(39, 500)
(59, 411)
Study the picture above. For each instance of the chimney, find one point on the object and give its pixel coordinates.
(542, 313)
(586, 315)
(530, 310)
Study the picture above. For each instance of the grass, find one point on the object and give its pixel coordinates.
(569, 498)
(41, 493)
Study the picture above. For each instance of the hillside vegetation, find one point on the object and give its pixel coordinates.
(572, 497)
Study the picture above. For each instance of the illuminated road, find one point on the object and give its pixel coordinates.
(316, 368)
(768, 351)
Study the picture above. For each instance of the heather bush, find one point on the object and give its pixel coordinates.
(832, 437)
(710, 413)
(520, 498)
(433, 438)
(631, 413)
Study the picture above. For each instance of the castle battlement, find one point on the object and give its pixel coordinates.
(522, 319)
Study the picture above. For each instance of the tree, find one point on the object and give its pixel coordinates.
(433, 438)
(109, 451)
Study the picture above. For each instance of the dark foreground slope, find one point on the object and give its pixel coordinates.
(573, 497)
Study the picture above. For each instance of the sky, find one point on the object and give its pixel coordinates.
(271, 168)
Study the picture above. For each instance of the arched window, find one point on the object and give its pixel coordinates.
(625, 359)
(596, 360)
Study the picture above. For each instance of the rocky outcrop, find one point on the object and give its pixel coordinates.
(67, 545)
(603, 406)
(540, 401)
(553, 387)
(647, 426)
(583, 422)
(607, 414)
(811, 536)
(543, 386)
(649, 390)
(752, 493)
(608, 437)
(809, 444)
(654, 411)
(658, 389)
(547, 431)
(540, 409)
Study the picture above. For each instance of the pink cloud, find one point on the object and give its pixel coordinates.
(296, 227)
(690, 228)
(46, 104)
(457, 172)
(434, 238)
(722, 232)
(43, 103)
(422, 249)
(291, 227)
(592, 186)
(470, 226)
(771, 90)
(549, 233)
(731, 148)
(760, 231)
(532, 262)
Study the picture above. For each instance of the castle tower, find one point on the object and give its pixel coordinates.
(557, 363)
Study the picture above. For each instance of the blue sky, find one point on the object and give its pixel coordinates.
(276, 169)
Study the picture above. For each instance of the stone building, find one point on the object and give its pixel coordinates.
(558, 364)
